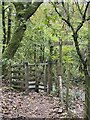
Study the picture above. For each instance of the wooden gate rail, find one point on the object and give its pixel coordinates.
(29, 76)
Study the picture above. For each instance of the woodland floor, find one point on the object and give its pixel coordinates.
(37, 105)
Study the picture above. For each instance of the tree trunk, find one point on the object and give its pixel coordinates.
(4, 27)
(87, 95)
(22, 15)
(86, 69)
(86, 65)
(15, 41)
(9, 26)
(50, 66)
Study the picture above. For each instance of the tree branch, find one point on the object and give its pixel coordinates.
(84, 15)
(79, 9)
(83, 18)
(75, 37)
(34, 6)
(80, 25)
(88, 18)
(67, 13)
(67, 21)
(27, 12)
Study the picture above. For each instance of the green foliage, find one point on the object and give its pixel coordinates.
(45, 25)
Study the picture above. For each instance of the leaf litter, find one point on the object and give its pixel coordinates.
(37, 105)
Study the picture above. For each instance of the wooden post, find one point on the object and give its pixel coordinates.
(60, 73)
(60, 89)
(67, 88)
(36, 79)
(10, 75)
(26, 77)
(56, 77)
(19, 76)
(60, 51)
(41, 55)
(45, 80)
(47, 75)
(49, 79)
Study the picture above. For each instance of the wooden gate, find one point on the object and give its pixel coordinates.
(29, 76)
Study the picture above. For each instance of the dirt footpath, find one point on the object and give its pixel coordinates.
(34, 105)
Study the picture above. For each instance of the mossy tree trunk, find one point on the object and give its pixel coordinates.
(15, 41)
(23, 13)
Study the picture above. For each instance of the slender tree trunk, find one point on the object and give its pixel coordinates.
(4, 27)
(50, 66)
(35, 53)
(67, 87)
(86, 69)
(87, 95)
(9, 26)
(43, 53)
(60, 52)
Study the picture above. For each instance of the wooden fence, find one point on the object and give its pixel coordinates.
(31, 77)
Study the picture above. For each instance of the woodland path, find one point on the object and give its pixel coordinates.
(36, 105)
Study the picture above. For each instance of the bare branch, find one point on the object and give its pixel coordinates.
(83, 18)
(88, 18)
(67, 21)
(80, 25)
(66, 11)
(79, 9)
(84, 15)
(34, 6)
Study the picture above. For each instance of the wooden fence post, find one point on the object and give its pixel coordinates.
(67, 88)
(49, 78)
(60, 90)
(10, 75)
(56, 78)
(26, 77)
(50, 66)
(60, 74)
(45, 80)
(36, 79)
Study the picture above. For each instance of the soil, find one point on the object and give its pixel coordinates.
(36, 105)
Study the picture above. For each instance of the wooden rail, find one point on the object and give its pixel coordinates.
(28, 76)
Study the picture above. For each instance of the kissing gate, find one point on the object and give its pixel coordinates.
(37, 76)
